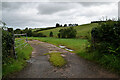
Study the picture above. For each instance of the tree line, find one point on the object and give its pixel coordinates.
(65, 25)
(29, 32)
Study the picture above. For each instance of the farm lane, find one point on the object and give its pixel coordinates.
(77, 67)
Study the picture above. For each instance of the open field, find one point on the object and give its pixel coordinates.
(75, 44)
(82, 30)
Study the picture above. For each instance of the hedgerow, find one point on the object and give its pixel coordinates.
(7, 46)
(106, 37)
(105, 43)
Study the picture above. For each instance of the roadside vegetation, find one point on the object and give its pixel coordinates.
(101, 47)
(23, 53)
(104, 46)
(56, 59)
(15, 52)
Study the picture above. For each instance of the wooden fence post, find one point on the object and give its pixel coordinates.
(14, 46)
(13, 41)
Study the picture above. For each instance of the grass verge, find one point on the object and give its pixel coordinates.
(107, 61)
(23, 53)
(56, 59)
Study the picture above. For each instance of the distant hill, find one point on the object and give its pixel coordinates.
(82, 30)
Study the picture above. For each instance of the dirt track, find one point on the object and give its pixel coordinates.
(77, 67)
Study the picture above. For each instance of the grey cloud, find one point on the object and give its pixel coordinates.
(51, 8)
(47, 14)
(87, 4)
(11, 5)
(15, 19)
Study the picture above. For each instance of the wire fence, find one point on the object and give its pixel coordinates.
(18, 44)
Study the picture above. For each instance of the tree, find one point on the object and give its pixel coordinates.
(70, 24)
(65, 25)
(51, 34)
(72, 32)
(67, 33)
(18, 31)
(29, 33)
(25, 30)
(61, 25)
(76, 24)
(10, 30)
(57, 25)
(58, 35)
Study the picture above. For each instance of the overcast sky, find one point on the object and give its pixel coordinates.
(47, 14)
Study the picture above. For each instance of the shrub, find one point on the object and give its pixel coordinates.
(18, 31)
(67, 33)
(7, 46)
(29, 33)
(106, 37)
(35, 34)
(51, 34)
(104, 45)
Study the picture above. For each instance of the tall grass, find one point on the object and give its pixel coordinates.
(23, 53)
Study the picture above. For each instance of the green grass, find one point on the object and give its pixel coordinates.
(82, 30)
(110, 62)
(14, 65)
(57, 60)
(76, 44)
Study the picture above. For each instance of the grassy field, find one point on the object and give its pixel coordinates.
(82, 30)
(23, 53)
(76, 44)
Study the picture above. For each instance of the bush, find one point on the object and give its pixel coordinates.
(67, 33)
(29, 33)
(7, 46)
(18, 31)
(106, 37)
(51, 34)
(35, 34)
(104, 45)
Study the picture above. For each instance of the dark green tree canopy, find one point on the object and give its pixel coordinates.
(51, 34)
(67, 33)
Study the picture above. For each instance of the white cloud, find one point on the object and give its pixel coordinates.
(47, 14)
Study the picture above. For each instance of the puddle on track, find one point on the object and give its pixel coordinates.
(64, 47)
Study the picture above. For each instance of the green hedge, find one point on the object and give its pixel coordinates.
(7, 46)
(106, 37)
(104, 47)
